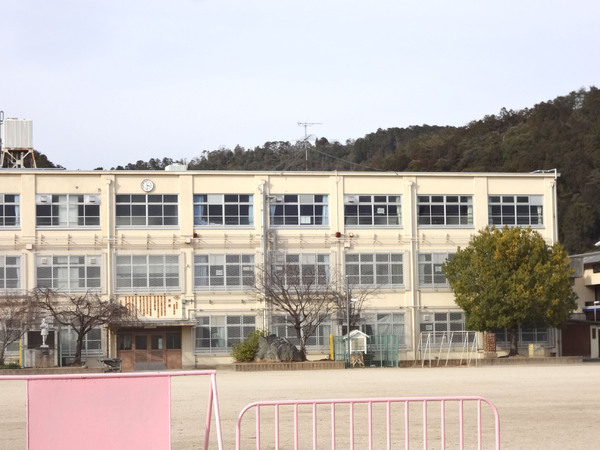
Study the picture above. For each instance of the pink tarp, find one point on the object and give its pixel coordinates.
(95, 413)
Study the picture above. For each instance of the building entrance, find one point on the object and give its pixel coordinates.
(142, 349)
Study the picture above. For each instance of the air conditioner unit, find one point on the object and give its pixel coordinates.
(42, 198)
(91, 199)
(93, 261)
(427, 318)
(351, 199)
(44, 261)
(279, 198)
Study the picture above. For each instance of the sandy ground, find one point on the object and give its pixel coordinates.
(540, 407)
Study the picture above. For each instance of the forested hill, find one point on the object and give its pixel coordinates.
(563, 133)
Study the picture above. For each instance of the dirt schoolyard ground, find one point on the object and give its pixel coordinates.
(540, 406)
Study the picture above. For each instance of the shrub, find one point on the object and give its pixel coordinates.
(245, 351)
(10, 366)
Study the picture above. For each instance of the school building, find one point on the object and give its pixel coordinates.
(183, 247)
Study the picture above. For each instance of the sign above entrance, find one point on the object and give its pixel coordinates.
(154, 306)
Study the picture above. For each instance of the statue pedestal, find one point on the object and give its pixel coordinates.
(43, 357)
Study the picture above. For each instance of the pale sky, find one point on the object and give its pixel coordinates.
(111, 82)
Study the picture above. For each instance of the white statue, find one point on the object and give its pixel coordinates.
(44, 331)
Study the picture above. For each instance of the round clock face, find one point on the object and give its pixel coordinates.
(147, 185)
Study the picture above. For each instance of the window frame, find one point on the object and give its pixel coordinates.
(226, 324)
(140, 211)
(435, 263)
(67, 211)
(454, 321)
(170, 281)
(284, 264)
(319, 340)
(299, 211)
(499, 210)
(90, 346)
(363, 210)
(227, 203)
(211, 265)
(438, 210)
(365, 269)
(375, 321)
(13, 204)
(64, 271)
(541, 335)
(11, 267)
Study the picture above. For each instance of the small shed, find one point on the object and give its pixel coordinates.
(358, 341)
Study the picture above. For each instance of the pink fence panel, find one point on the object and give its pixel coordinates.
(98, 411)
(412, 422)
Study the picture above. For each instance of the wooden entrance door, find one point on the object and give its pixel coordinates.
(149, 351)
(143, 349)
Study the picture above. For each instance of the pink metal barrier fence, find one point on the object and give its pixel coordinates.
(126, 410)
(349, 441)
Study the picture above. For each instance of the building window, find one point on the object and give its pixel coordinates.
(447, 210)
(70, 273)
(10, 272)
(515, 210)
(305, 269)
(385, 324)
(282, 326)
(431, 274)
(9, 210)
(67, 211)
(223, 210)
(299, 210)
(220, 333)
(382, 269)
(527, 335)
(223, 271)
(146, 210)
(372, 210)
(91, 345)
(440, 322)
(147, 273)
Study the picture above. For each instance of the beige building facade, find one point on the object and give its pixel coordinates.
(182, 248)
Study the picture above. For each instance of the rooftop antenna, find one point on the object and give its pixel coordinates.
(306, 136)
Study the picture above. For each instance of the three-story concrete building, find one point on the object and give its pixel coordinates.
(182, 248)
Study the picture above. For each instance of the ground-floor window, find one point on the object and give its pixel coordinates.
(383, 323)
(282, 326)
(442, 321)
(91, 345)
(220, 333)
(527, 335)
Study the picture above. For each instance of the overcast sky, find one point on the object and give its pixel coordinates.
(111, 82)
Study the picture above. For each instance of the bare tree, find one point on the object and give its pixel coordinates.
(81, 313)
(17, 313)
(351, 301)
(302, 292)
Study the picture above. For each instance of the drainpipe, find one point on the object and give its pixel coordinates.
(108, 246)
(108, 259)
(412, 265)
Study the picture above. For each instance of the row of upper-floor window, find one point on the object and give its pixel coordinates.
(302, 210)
(152, 272)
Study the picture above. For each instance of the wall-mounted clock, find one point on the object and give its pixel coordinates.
(147, 185)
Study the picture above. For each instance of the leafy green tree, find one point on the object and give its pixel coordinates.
(510, 276)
